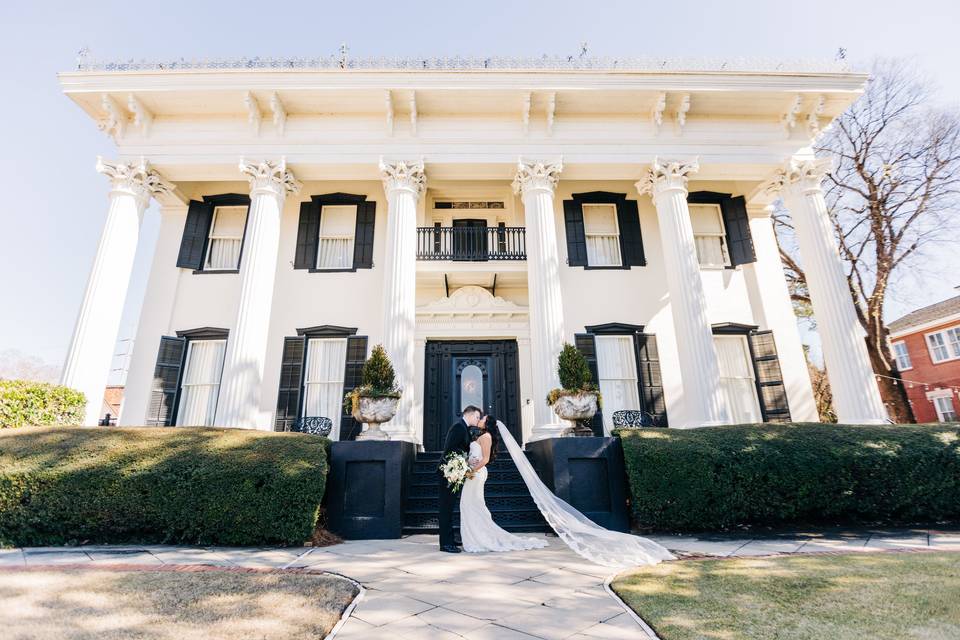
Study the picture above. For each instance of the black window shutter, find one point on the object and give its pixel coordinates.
(291, 383)
(771, 390)
(586, 345)
(363, 240)
(631, 241)
(308, 236)
(195, 232)
(739, 240)
(166, 382)
(576, 237)
(356, 354)
(650, 382)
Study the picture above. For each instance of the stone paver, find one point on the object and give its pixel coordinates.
(414, 591)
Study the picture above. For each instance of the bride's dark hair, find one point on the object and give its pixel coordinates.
(490, 426)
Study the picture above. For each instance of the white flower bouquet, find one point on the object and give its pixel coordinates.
(455, 469)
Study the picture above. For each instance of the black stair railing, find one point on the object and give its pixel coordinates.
(472, 244)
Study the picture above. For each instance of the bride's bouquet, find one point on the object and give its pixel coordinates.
(455, 469)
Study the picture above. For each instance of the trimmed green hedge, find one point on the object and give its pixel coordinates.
(771, 475)
(24, 403)
(160, 485)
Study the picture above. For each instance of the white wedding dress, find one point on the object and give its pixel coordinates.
(477, 529)
(582, 535)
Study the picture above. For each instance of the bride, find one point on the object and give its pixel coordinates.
(582, 535)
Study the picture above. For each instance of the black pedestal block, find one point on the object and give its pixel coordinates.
(588, 473)
(366, 488)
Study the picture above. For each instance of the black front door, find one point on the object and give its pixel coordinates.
(461, 373)
(470, 240)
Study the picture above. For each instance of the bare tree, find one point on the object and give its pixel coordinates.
(16, 365)
(894, 183)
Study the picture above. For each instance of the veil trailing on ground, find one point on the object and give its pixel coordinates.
(593, 542)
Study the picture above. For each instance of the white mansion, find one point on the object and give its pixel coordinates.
(471, 216)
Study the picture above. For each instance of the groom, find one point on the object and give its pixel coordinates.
(458, 440)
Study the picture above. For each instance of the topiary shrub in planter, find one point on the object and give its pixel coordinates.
(159, 485)
(767, 475)
(375, 400)
(579, 398)
(26, 403)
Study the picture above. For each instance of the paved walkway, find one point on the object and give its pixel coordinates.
(414, 591)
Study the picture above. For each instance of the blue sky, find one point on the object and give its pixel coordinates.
(55, 203)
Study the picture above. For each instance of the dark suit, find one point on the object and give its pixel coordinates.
(458, 440)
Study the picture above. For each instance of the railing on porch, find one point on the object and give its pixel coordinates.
(471, 243)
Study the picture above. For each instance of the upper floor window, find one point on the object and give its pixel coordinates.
(944, 345)
(902, 355)
(226, 238)
(603, 235)
(709, 235)
(200, 386)
(213, 233)
(338, 225)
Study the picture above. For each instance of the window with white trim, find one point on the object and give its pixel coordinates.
(226, 238)
(323, 378)
(902, 356)
(602, 233)
(738, 385)
(709, 235)
(200, 385)
(617, 373)
(338, 226)
(946, 412)
(944, 345)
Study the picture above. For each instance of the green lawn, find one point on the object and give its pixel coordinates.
(815, 597)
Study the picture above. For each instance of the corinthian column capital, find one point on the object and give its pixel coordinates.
(134, 178)
(270, 177)
(804, 174)
(403, 176)
(537, 175)
(666, 175)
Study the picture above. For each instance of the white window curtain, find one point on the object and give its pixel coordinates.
(938, 347)
(617, 370)
(902, 355)
(226, 238)
(737, 383)
(323, 381)
(602, 234)
(945, 408)
(338, 224)
(709, 235)
(201, 383)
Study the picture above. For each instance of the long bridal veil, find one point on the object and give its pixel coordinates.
(593, 542)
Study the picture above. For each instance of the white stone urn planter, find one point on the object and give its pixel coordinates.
(374, 411)
(578, 408)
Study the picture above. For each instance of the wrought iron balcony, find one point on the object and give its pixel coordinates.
(471, 243)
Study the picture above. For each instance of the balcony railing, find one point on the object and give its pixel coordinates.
(471, 244)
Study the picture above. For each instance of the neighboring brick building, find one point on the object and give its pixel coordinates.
(926, 343)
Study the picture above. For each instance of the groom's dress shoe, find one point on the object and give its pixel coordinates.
(450, 548)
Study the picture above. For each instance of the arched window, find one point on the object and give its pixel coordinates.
(471, 386)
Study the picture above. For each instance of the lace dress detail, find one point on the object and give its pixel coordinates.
(477, 528)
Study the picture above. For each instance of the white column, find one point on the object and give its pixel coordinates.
(87, 366)
(536, 183)
(856, 397)
(703, 403)
(403, 183)
(241, 385)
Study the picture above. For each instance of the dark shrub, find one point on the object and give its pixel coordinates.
(770, 475)
(165, 485)
(24, 403)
